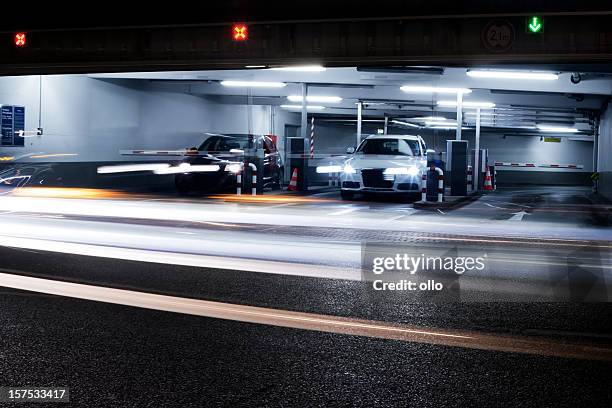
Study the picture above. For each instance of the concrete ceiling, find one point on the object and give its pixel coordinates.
(518, 102)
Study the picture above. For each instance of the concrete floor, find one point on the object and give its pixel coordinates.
(550, 244)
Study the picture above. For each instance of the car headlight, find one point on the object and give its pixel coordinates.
(234, 168)
(348, 169)
(413, 171)
(410, 171)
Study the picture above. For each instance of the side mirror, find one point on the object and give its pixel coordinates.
(430, 151)
(350, 150)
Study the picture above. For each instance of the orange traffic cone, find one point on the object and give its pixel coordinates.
(488, 186)
(293, 183)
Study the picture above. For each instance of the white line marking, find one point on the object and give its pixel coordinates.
(310, 321)
(345, 211)
(171, 258)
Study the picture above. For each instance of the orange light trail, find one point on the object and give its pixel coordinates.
(270, 199)
(61, 192)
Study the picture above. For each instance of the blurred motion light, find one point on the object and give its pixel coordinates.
(542, 76)
(329, 169)
(240, 32)
(126, 168)
(253, 84)
(188, 168)
(21, 40)
(315, 98)
(434, 89)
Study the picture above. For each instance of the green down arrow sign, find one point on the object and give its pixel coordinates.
(534, 25)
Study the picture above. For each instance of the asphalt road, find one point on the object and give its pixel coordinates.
(113, 355)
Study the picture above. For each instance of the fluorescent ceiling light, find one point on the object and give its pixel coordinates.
(399, 122)
(542, 76)
(254, 66)
(472, 113)
(253, 84)
(309, 107)
(315, 98)
(434, 89)
(468, 104)
(433, 118)
(302, 68)
(440, 123)
(557, 129)
(446, 127)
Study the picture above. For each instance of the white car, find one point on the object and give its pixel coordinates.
(384, 164)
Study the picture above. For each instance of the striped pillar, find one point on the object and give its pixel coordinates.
(312, 138)
(424, 186)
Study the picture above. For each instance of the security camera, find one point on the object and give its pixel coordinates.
(576, 77)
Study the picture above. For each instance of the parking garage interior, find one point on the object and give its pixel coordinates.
(557, 127)
(544, 173)
(191, 213)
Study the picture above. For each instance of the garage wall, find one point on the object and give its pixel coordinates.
(78, 115)
(96, 118)
(604, 157)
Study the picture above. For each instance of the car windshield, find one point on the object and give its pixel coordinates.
(392, 147)
(223, 144)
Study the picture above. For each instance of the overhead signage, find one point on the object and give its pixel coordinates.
(12, 120)
(534, 25)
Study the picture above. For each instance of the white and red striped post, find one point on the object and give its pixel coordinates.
(470, 178)
(494, 178)
(440, 184)
(253, 179)
(312, 138)
(424, 186)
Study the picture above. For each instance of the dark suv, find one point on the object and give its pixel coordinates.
(225, 150)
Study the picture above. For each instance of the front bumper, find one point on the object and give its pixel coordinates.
(375, 181)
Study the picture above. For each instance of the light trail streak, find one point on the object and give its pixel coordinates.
(311, 321)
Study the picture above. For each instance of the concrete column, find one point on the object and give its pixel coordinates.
(304, 119)
(476, 168)
(249, 111)
(459, 115)
(359, 108)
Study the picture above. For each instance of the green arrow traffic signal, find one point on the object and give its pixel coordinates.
(534, 25)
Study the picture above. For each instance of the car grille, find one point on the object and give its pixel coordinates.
(373, 178)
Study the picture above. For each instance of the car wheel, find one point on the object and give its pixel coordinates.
(347, 195)
(182, 185)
